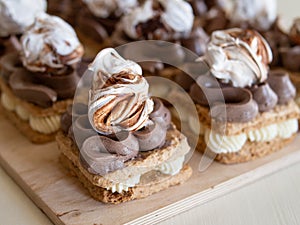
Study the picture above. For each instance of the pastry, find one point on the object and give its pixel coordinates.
(39, 84)
(122, 144)
(164, 21)
(15, 17)
(96, 21)
(245, 110)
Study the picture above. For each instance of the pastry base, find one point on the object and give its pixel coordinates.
(161, 182)
(34, 110)
(151, 181)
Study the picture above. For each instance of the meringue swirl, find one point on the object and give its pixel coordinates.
(16, 16)
(174, 15)
(238, 56)
(119, 97)
(50, 43)
(259, 14)
(104, 8)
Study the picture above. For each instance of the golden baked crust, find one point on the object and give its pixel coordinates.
(161, 182)
(57, 108)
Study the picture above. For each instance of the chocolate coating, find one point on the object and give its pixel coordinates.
(190, 72)
(9, 63)
(264, 96)
(82, 130)
(160, 113)
(226, 103)
(239, 106)
(151, 136)
(73, 111)
(103, 155)
(281, 84)
(64, 85)
(206, 91)
(23, 86)
(290, 58)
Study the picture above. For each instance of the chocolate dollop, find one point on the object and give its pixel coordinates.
(227, 103)
(102, 154)
(290, 58)
(264, 96)
(153, 135)
(24, 87)
(64, 85)
(239, 106)
(281, 84)
(9, 63)
(81, 130)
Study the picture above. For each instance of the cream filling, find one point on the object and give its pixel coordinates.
(44, 125)
(169, 168)
(228, 144)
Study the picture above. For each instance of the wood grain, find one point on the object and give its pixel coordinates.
(37, 170)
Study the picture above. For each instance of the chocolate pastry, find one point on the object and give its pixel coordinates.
(64, 84)
(81, 130)
(23, 86)
(281, 84)
(102, 154)
(291, 58)
(226, 103)
(72, 113)
(160, 113)
(153, 135)
(190, 72)
(295, 32)
(239, 106)
(264, 96)
(9, 63)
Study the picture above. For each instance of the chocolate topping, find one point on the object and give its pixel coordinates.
(90, 25)
(73, 111)
(239, 107)
(23, 86)
(103, 154)
(190, 71)
(9, 63)
(264, 96)
(295, 32)
(206, 91)
(160, 113)
(82, 130)
(281, 84)
(63, 85)
(196, 41)
(291, 58)
(227, 103)
(151, 136)
(154, 53)
(199, 7)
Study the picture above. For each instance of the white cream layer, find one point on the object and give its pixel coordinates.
(44, 125)
(170, 168)
(228, 144)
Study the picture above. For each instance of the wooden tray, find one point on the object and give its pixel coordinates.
(37, 170)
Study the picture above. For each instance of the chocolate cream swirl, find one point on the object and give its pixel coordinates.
(119, 96)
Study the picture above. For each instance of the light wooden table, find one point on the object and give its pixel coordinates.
(272, 200)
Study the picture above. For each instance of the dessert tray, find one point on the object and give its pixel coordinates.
(36, 169)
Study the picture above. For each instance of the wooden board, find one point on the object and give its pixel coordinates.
(37, 170)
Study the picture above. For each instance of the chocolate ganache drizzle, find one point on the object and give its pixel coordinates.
(120, 119)
(50, 51)
(238, 81)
